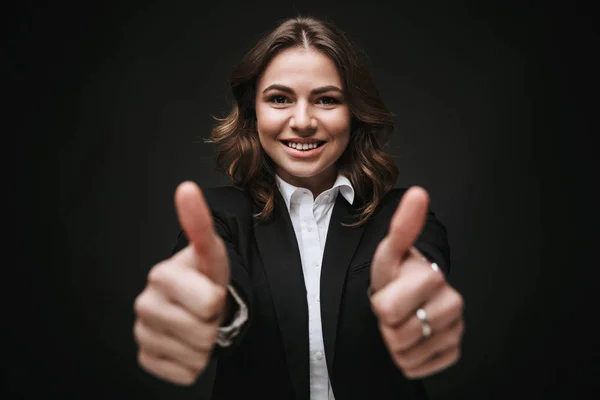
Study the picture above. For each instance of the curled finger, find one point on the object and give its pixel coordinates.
(167, 369)
(163, 346)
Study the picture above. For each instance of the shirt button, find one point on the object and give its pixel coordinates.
(316, 264)
(309, 229)
(319, 298)
(319, 355)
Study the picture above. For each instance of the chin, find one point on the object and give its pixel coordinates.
(305, 172)
(301, 173)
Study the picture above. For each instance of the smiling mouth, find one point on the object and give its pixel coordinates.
(304, 146)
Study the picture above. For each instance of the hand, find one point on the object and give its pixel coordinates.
(181, 308)
(404, 282)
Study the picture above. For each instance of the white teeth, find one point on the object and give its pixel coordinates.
(302, 146)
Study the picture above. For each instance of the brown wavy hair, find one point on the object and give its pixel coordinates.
(240, 156)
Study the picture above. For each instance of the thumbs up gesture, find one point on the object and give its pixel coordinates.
(181, 308)
(420, 314)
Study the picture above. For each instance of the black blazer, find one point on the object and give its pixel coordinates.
(269, 359)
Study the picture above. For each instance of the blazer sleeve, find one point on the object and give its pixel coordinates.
(239, 275)
(433, 239)
(433, 242)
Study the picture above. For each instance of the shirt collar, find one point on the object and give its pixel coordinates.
(341, 184)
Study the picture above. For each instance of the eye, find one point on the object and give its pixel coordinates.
(278, 99)
(327, 100)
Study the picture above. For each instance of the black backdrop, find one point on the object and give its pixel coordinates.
(108, 105)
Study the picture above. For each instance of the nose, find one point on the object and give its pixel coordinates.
(302, 120)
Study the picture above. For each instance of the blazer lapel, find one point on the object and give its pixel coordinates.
(340, 246)
(279, 252)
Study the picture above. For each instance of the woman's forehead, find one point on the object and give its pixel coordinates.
(302, 68)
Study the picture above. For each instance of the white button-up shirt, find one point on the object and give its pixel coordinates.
(310, 218)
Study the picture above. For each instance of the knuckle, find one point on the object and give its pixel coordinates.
(455, 356)
(190, 377)
(159, 274)
(138, 332)
(456, 303)
(388, 336)
(410, 374)
(186, 377)
(434, 279)
(144, 360)
(215, 300)
(402, 360)
(451, 341)
(138, 303)
(180, 378)
(384, 308)
(460, 302)
(386, 312)
(142, 306)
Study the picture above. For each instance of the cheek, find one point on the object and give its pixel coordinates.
(338, 125)
(269, 122)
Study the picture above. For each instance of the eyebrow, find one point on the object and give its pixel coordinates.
(316, 91)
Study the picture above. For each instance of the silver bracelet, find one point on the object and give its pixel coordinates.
(226, 334)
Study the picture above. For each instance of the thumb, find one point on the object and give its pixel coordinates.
(405, 227)
(408, 220)
(197, 222)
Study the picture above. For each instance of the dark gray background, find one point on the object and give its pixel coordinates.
(109, 104)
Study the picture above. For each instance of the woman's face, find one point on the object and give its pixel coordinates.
(302, 117)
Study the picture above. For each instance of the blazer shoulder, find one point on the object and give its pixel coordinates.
(230, 208)
(228, 200)
(392, 198)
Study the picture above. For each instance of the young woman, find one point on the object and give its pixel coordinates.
(310, 277)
